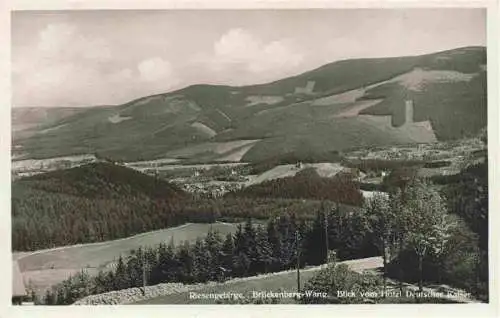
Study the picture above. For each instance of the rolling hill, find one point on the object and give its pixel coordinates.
(102, 181)
(90, 203)
(345, 104)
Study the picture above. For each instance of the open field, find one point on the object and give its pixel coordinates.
(46, 267)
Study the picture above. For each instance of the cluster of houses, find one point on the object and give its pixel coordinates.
(30, 167)
(213, 190)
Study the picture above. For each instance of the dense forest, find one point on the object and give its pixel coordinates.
(46, 220)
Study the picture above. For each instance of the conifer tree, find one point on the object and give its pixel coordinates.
(250, 245)
(228, 251)
(274, 238)
(121, 278)
(315, 241)
(201, 261)
(213, 243)
(240, 258)
(264, 251)
(49, 298)
(186, 263)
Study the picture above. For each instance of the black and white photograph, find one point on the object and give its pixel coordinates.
(302, 156)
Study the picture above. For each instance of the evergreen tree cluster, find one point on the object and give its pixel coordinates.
(251, 250)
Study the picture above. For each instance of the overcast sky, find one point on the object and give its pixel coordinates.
(82, 58)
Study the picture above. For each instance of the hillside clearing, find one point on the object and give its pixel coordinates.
(115, 119)
(416, 79)
(268, 100)
(237, 155)
(204, 129)
(354, 109)
(324, 169)
(215, 148)
(281, 171)
(418, 132)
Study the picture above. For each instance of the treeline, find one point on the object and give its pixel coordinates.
(307, 184)
(250, 251)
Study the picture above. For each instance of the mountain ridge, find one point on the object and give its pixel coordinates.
(305, 111)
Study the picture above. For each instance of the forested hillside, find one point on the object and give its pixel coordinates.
(99, 202)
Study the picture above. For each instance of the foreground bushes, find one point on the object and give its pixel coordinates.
(335, 282)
